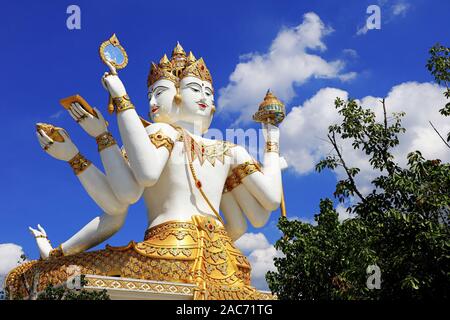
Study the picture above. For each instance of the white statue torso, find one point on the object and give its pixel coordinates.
(175, 196)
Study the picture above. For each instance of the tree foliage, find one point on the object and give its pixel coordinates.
(63, 293)
(402, 225)
(439, 65)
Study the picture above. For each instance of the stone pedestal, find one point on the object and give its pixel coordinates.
(136, 289)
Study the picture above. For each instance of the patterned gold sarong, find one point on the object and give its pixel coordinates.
(198, 252)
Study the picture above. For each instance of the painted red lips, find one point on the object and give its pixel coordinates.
(202, 106)
(155, 109)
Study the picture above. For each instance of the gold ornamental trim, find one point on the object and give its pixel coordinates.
(79, 163)
(178, 67)
(104, 141)
(272, 147)
(213, 153)
(122, 103)
(115, 42)
(159, 139)
(159, 287)
(245, 169)
(198, 253)
(231, 182)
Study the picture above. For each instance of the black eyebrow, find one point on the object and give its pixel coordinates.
(195, 83)
(160, 87)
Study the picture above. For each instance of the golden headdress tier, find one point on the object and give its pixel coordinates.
(271, 110)
(164, 62)
(178, 67)
(159, 72)
(178, 50)
(190, 59)
(198, 69)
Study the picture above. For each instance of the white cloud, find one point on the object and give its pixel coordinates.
(303, 133)
(9, 258)
(305, 127)
(288, 63)
(252, 241)
(57, 114)
(389, 11)
(351, 53)
(362, 31)
(343, 214)
(400, 8)
(261, 261)
(309, 220)
(260, 254)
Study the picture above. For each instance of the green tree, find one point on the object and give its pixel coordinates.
(439, 65)
(402, 225)
(63, 293)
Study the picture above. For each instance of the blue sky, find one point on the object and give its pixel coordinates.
(43, 61)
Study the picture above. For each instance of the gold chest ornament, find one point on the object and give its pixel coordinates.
(211, 152)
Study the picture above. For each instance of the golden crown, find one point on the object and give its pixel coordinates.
(178, 67)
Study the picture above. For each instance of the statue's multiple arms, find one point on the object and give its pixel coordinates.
(260, 190)
(97, 186)
(118, 171)
(92, 179)
(235, 222)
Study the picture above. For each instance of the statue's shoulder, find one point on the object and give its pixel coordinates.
(238, 153)
(164, 129)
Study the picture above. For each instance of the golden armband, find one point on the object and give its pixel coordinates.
(159, 139)
(105, 140)
(245, 169)
(272, 147)
(57, 252)
(122, 103)
(232, 182)
(79, 163)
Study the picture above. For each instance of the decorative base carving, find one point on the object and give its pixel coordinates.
(197, 254)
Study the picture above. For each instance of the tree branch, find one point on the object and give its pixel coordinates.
(347, 170)
(443, 140)
(385, 145)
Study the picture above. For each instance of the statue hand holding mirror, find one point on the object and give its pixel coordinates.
(115, 57)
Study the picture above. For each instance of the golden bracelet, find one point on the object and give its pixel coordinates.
(122, 103)
(79, 163)
(105, 140)
(159, 139)
(40, 236)
(232, 182)
(245, 169)
(57, 252)
(272, 147)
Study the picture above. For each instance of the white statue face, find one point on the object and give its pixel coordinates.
(197, 102)
(162, 105)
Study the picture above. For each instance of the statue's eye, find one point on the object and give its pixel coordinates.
(194, 89)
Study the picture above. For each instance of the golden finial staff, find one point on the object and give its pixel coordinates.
(272, 111)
